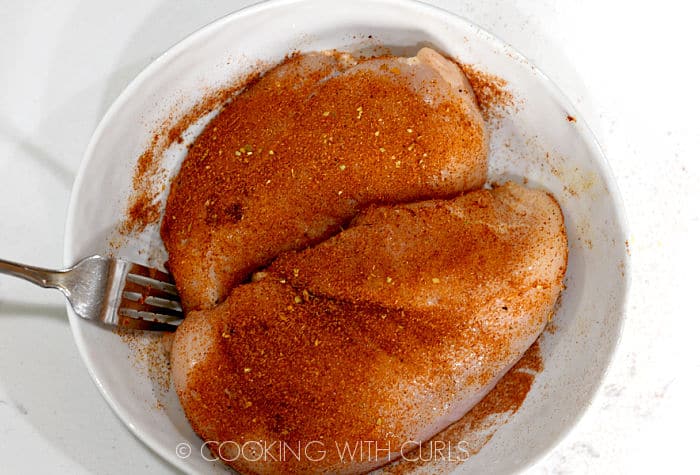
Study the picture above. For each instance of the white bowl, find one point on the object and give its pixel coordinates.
(536, 141)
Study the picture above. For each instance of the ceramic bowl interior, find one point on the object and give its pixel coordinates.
(533, 141)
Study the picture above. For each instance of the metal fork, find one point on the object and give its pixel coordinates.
(111, 291)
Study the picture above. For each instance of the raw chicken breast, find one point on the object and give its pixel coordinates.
(296, 155)
(384, 334)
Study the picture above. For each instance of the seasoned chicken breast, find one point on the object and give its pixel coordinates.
(297, 154)
(384, 334)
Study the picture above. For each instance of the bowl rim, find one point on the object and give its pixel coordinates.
(419, 6)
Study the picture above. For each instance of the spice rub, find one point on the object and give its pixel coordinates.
(387, 332)
(297, 154)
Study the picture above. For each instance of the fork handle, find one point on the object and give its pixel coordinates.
(36, 275)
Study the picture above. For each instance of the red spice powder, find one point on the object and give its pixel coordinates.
(477, 427)
(149, 353)
(144, 208)
(492, 94)
(149, 178)
(295, 148)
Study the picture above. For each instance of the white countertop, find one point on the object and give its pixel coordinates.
(631, 72)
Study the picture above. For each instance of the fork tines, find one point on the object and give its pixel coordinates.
(149, 297)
